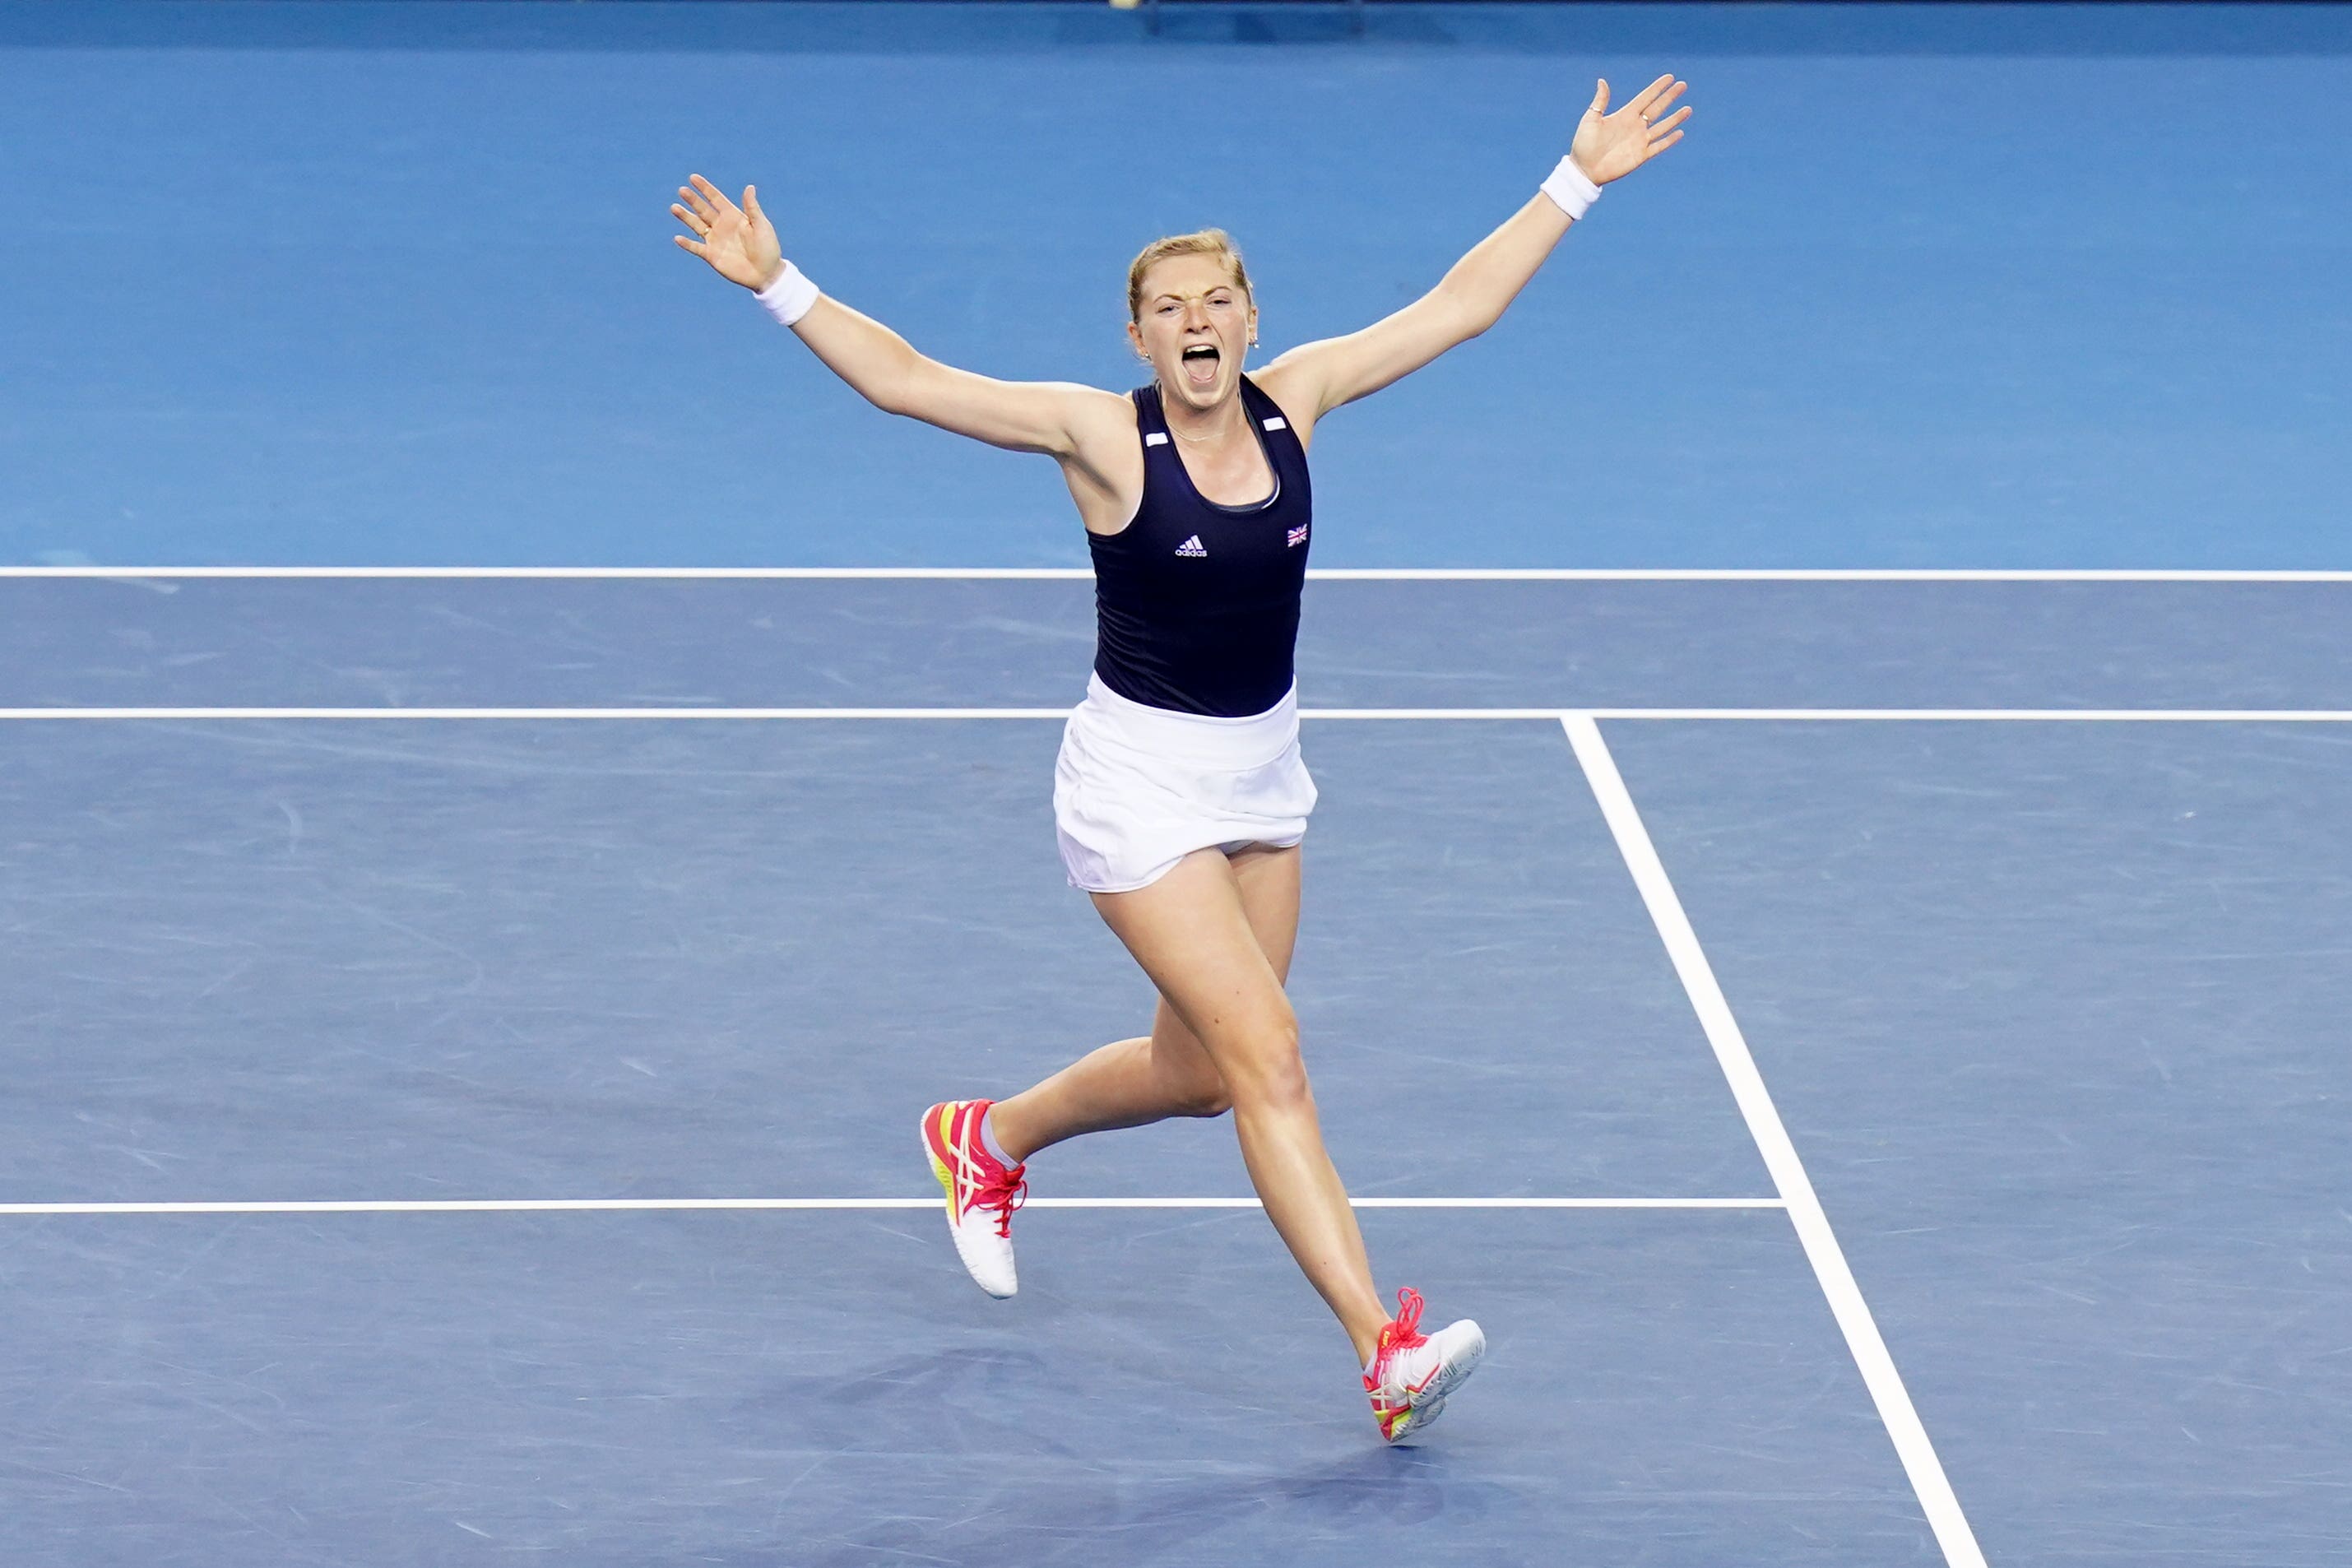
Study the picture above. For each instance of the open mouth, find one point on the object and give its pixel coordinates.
(1200, 364)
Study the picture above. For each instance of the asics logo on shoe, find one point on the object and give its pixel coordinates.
(972, 1180)
(966, 1173)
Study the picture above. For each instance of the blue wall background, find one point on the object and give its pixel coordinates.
(1943, 286)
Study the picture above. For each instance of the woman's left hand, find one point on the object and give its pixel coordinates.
(1611, 146)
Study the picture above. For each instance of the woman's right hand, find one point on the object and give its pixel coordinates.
(740, 243)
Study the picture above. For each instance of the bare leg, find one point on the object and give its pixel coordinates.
(1168, 1072)
(1190, 932)
(1127, 1083)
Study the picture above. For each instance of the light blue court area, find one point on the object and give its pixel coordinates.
(464, 1036)
(1938, 286)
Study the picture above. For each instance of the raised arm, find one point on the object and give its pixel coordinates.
(1474, 294)
(741, 247)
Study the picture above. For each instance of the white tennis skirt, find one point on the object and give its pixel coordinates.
(1138, 788)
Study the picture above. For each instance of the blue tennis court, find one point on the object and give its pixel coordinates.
(1826, 927)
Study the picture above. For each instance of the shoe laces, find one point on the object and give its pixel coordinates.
(1004, 1192)
(1399, 1333)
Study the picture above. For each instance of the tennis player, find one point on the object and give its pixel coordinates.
(1180, 797)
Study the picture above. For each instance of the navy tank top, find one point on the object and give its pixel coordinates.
(1196, 604)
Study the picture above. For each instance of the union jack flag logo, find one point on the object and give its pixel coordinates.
(1298, 535)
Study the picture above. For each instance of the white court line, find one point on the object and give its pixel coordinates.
(518, 713)
(1318, 574)
(630, 1206)
(1812, 1226)
(1549, 715)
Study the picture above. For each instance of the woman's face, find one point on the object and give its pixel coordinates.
(1196, 323)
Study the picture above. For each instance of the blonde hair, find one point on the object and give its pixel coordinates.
(1203, 242)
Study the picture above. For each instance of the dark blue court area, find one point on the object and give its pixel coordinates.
(1827, 934)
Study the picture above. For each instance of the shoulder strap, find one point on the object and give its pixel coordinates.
(1151, 422)
(1268, 414)
(1260, 406)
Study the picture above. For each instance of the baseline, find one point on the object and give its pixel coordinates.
(571, 1205)
(1314, 574)
(1562, 715)
(1796, 1189)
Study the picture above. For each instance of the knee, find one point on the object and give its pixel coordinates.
(1282, 1088)
(1273, 1075)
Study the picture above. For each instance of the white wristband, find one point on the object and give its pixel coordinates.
(1571, 188)
(789, 298)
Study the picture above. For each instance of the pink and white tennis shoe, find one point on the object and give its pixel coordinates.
(1411, 1373)
(981, 1192)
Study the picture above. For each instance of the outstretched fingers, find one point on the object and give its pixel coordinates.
(712, 197)
(697, 220)
(1651, 100)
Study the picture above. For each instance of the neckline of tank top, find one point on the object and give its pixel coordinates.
(1257, 429)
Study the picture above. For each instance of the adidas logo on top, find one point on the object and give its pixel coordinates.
(1191, 546)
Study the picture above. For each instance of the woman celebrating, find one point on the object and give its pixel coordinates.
(1180, 797)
